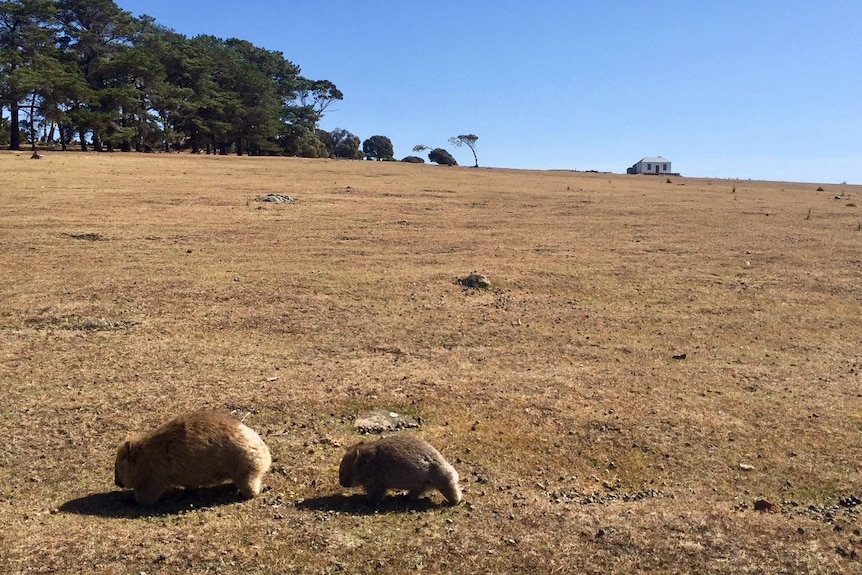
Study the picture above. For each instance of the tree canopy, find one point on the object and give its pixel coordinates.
(345, 145)
(89, 71)
(437, 155)
(378, 148)
(442, 157)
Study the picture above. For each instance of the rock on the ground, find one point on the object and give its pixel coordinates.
(276, 198)
(475, 280)
(382, 420)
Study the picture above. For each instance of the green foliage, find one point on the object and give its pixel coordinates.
(442, 157)
(27, 38)
(121, 82)
(298, 140)
(345, 145)
(378, 148)
(437, 155)
(413, 160)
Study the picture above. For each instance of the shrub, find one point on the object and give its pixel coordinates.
(442, 157)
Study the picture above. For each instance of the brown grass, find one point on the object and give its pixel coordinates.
(135, 287)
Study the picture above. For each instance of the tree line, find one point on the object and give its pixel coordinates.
(88, 72)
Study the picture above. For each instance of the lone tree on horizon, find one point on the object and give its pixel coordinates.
(468, 140)
(378, 148)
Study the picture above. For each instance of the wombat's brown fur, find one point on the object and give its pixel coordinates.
(401, 461)
(194, 449)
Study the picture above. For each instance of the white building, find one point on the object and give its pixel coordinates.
(654, 165)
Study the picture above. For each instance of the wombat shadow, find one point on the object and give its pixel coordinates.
(122, 503)
(358, 504)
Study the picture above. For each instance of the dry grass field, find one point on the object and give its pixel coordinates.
(652, 358)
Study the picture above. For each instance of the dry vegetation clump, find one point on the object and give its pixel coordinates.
(648, 362)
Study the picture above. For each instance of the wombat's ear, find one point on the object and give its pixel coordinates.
(351, 461)
(128, 451)
(347, 472)
(354, 457)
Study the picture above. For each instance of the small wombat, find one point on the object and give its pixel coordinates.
(401, 461)
(194, 449)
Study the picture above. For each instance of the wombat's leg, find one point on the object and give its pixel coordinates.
(451, 492)
(147, 494)
(249, 486)
(415, 494)
(375, 491)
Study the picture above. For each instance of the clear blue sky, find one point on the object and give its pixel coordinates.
(756, 89)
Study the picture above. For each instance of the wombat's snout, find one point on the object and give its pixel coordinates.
(117, 482)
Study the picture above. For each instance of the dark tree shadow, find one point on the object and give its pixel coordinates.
(122, 503)
(358, 504)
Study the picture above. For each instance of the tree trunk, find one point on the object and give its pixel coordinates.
(15, 135)
(33, 122)
(62, 130)
(82, 134)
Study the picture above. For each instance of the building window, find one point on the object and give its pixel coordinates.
(649, 166)
(664, 167)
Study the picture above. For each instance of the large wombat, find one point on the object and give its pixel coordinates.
(194, 449)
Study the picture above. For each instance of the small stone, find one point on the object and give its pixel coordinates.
(475, 280)
(746, 467)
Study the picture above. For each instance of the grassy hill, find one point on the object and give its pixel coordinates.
(652, 358)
